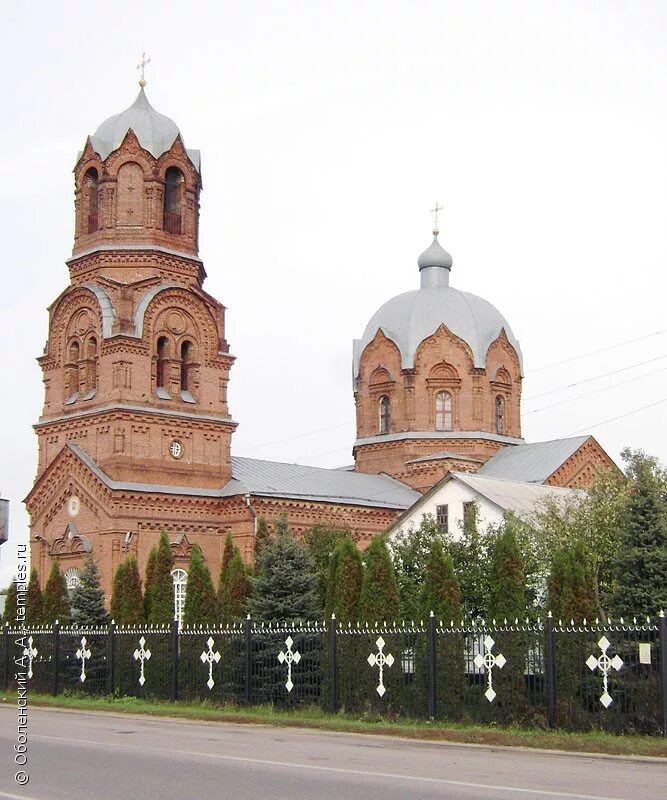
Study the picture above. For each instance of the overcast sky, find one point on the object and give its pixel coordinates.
(328, 130)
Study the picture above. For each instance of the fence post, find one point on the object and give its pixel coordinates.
(56, 657)
(248, 659)
(550, 669)
(111, 657)
(663, 670)
(431, 662)
(333, 667)
(5, 654)
(174, 659)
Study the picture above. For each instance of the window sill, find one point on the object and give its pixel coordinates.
(162, 393)
(72, 399)
(186, 397)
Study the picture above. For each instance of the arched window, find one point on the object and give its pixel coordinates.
(160, 375)
(500, 415)
(72, 372)
(443, 411)
(91, 194)
(173, 200)
(91, 367)
(180, 579)
(186, 361)
(385, 414)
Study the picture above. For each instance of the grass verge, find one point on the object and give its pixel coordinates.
(313, 718)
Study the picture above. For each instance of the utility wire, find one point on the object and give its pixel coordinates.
(595, 391)
(620, 416)
(595, 352)
(596, 377)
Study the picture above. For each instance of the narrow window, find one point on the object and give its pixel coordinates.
(72, 373)
(91, 195)
(442, 517)
(500, 415)
(91, 367)
(385, 414)
(180, 579)
(186, 359)
(160, 375)
(173, 200)
(443, 411)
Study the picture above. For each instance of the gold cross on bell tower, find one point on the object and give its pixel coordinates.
(435, 211)
(141, 66)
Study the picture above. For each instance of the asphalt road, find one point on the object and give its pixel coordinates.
(113, 757)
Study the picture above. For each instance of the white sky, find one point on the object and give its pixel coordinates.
(327, 131)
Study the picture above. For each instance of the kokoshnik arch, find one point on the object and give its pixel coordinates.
(135, 433)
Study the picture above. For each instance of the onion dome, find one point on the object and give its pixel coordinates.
(413, 316)
(155, 132)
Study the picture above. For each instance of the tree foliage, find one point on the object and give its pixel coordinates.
(285, 585)
(346, 574)
(641, 560)
(440, 591)
(127, 606)
(56, 599)
(571, 584)
(321, 541)
(35, 601)
(507, 586)
(234, 590)
(379, 600)
(87, 602)
(11, 604)
(262, 536)
(470, 555)
(159, 592)
(410, 551)
(201, 605)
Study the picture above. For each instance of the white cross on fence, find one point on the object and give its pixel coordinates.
(605, 664)
(210, 657)
(83, 653)
(381, 661)
(489, 661)
(31, 652)
(142, 654)
(288, 658)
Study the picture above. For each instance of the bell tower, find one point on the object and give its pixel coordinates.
(136, 364)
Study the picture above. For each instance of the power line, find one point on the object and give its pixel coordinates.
(620, 416)
(596, 352)
(300, 436)
(595, 391)
(596, 377)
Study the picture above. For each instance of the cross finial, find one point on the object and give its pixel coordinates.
(435, 211)
(141, 66)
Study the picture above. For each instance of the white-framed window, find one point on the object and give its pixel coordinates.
(442, 517)
(180, 579)
(443, 411)
(72, 579)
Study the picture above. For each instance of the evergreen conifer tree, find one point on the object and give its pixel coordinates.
(235, 590)
(35, 602)
(321, 541)
(127, 607)
(159, 593)
(11, 604)
(346, 574)
(227, 555)
(201, 605)
(56, 599)
(281, 524)
(262, 536)
(285, 586)
(571, 585)
(507, 601)
(378, 601)
(87, 602)
(410, 550)
(641, 563)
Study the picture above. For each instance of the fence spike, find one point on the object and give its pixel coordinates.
(648, 619)
(634, 620)
(584, 623)
(662, 613)
(560, 623)
(622, 623)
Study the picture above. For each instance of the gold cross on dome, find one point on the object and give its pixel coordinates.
(435, 211)
(141, 66)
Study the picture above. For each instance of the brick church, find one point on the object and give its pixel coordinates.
(135, 434)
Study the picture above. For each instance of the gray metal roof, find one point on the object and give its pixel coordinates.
(515, 496)
(445, 454)
(411, 317)
(532, 463)
(275, 479)
(444, 435)
(435, 256)
(155, 132)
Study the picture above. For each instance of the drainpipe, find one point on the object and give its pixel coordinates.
(253, 512)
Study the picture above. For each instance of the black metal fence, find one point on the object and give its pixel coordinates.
(610, 676)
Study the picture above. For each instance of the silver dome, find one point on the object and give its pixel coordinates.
(411, 317)
(155, 132)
